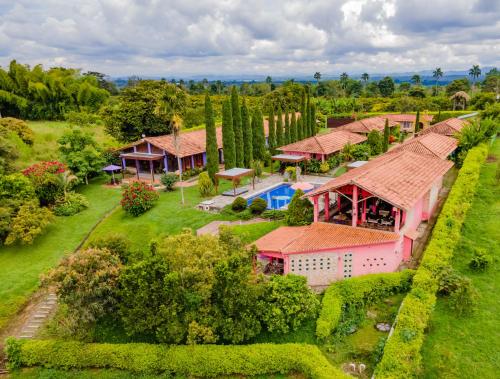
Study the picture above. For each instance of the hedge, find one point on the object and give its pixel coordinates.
(192, 360)
(358, 291)
(402, 358)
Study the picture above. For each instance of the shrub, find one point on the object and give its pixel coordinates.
(334, 161)
(205, 185)
(116, 243)
(274, 214)
(169, 180)
(481, 260)
(138, 198)
(19, 127)
(300, 211)
(29, 222)
(258, 205)
(375, 142)
(239, 204)
(357, 292)
(463, 300)
(70, 204)
(312, 165)
(258, 169)
(292, 173)
(207, 361)
(324, 167)
(45, 177)
(83, 119)
(402, 357)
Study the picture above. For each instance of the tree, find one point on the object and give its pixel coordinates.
(417, 122)
(474, 73)
(343, 79)
(303, 114)
(317, 76)
(8, 153)
(458, 85)
(238, 133)
(374, 140)
(137, 110)
(307, 120)
(300, 211)
(415, 79)
(87, 283)
(247, 135)
(228, 136)
(386, 86)
(271, 139)
(211, 140)
(279, 128)
(385, 141)
(205, 185)
(437, 74)
(312, 117)
(286, 138)
(29, 222)
(300, 129)
(365, 77)
(293, 127)
(258, 135)
(81, 154)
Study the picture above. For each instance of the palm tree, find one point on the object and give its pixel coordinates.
(317, 76)
(437, 74)
(67, 179)
(416, 79)
(475, 72)
(343, 79)
(365, 77)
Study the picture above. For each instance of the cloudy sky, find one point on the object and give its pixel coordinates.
(282, 38)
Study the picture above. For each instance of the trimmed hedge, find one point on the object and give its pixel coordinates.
(193, 360)
(358, 291)
(402, 358)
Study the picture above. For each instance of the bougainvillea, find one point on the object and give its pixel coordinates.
(45, 177)
(43, 168)
(138, 198)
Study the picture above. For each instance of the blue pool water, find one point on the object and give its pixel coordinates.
(276, 197)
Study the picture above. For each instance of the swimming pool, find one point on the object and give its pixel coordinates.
(276, 197)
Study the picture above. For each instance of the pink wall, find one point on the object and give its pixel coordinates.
(307, 155)
(431, 199)
(414, 216)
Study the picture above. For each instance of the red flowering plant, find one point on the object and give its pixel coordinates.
(138, 198)
(46, 179)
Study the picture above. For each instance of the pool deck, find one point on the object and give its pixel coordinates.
(262, 185)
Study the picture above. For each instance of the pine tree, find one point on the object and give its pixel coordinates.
(287, 139)
(385, 142)
(271, 138)
(312, 114)
(293, 127)
(417, 122)
(212, 152)
(247, 135)
(279, 128)
(238, 133)
(258, 135)
(228, 135)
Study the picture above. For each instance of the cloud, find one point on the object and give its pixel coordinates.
(175, 38)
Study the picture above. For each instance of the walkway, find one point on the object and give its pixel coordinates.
(213, 227)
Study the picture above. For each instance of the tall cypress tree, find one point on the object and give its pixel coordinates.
(279, 128)
(312, 114)
(258, 135)
(247, 135)
(287, 138)
(228, 135)
(238, 133)
(300, 129)
(293, 127)
(271, 138)
(212, 152)
(385, 142)
(417, 122)
(303, 115)
(308, 115)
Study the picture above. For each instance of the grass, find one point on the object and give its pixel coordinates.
(340, 171)
(469, 347)
(22, 264)
(252, 232)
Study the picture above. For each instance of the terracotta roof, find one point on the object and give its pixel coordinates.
(400, 178)
(432, 144)
(327, 143)
(366, 125)
(320, 236)
(407, 117)
(449, 127)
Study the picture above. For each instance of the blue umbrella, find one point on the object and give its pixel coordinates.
(112, 168)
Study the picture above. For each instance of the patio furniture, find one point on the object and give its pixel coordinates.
(111, 169)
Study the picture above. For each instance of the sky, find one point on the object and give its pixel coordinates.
(250, 37)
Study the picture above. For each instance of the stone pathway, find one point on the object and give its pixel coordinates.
(213, 227)
(39, 315)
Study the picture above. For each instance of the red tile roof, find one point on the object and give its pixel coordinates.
(400, 178)
(449, 127)
(320, 236)
(366, 125)
(432, 144)
(405, 117)
(327, 143)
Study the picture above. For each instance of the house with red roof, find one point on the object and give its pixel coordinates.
(450, 127)
(322, 146)
(365, 221)
(407, 121)
(432, 144)
(366, 125)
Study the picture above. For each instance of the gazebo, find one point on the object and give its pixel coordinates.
(235, 175)
(460, 98)
(288, 158)
(112, 168)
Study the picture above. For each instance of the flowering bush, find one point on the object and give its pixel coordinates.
(46, 179)
(70, 204)
(138, 198)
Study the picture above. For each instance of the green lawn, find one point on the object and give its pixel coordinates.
(167, 217)
(252, 232)
(21, 266)
(469, 347)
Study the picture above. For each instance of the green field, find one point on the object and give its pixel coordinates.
(469, 347)
(22, 264)
(252, 232)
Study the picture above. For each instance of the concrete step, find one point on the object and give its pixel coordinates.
(40, 315)
(46, 308)
(26, 336)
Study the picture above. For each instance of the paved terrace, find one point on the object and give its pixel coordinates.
(261, 185)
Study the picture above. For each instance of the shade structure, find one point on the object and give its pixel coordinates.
(304, 186)
(111, 168)
(235, 174)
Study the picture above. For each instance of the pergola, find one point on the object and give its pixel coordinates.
(142, 157)
(288, 158)
(235, 174)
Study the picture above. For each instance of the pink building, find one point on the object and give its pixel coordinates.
(368, 213)
(450, 127)
(366, 125)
